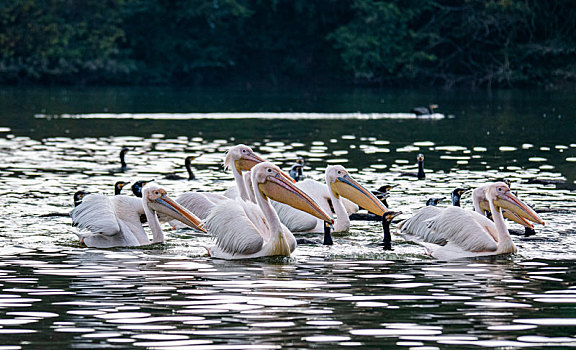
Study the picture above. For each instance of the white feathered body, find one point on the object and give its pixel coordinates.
(106, 222)
(241, 230)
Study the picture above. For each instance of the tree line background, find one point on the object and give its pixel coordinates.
(276, 42)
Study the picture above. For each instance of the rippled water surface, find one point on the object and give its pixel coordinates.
(55, 293)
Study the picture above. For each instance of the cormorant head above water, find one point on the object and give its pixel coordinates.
(420, 174)
(188, 164)
(78, 196)
(118, 186)
(434, 201)
(137, 187)
(123, 152)
(456, 195)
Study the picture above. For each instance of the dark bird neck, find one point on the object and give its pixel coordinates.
(188, 164)
(455, 200)
(327, 235)
(421, 175)
(387, 241)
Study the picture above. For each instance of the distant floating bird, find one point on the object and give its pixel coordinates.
(424, 110)
(123, 152)
(469, 233)
(106, 222)
(188, 165)
(245, 230)
(420, 174)
(296, 171)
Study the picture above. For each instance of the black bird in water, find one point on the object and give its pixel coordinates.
(118, 186)
(432, 202)
(188, 165)
(420, 174)
(296, 171)
(424, 110)
(386, 220)
(123, 152)
(78, 197)
(137, 187)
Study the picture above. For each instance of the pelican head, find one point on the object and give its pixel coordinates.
(499, 193)
(242, 158)
(157, 199)
(274, 184)
(342, 184)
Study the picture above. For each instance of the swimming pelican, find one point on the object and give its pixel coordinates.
(106, 222)
(244, 230)
(416, 228)
(240, 158)
(420, 174)
(343, 193)
(188, 165)
(469, 233)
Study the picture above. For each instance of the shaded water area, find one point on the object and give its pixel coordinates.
(56, 293)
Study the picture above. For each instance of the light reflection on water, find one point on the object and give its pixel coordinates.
(351, 294)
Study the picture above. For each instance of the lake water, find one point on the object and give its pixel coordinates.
(55, 293)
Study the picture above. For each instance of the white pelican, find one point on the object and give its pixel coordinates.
(240, 158)
(469, 233)
(106, 222)
(343, 193)
(243, 229)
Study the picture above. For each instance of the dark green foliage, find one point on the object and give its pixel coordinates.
(409, 42)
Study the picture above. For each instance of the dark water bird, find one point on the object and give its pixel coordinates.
(137, 187)
(468, 233)
(118, 186)
(296, 171)
(383, 192)
(106, 222)
(78, 196)
(386, 220)
(188, 165)
(424, 110)
(420, 174)
(123, 151)
(433, 201)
